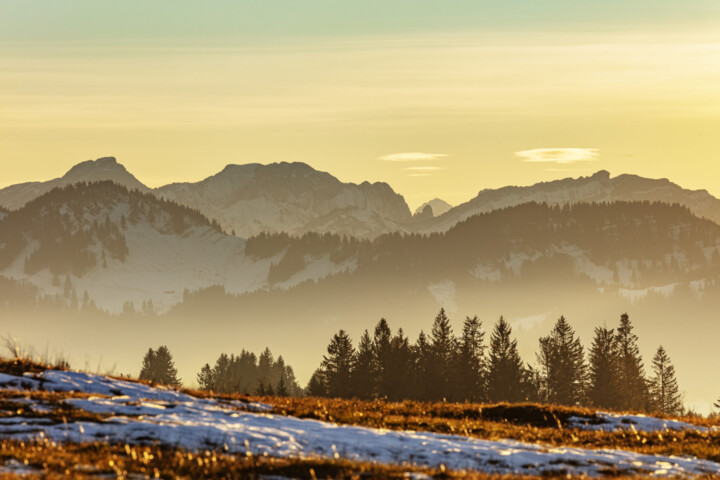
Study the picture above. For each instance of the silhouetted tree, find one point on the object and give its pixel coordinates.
(316, 387)
(158, 367)
(632, 385)
(338, 365)
(505, 368)
(382, 348)
(204, 378)
(604, 358)
(663, 385)
(470, 362)
(442, 348)
(563, 363)
(363, 375)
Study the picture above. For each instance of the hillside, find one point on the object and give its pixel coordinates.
(166, 431)
(599, 187)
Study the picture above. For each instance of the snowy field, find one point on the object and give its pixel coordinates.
(137, 414)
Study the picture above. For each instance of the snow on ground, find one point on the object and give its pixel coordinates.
(609, 422)
(138, 413)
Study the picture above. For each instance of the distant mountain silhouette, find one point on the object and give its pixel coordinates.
(295, 198)
(292, 197)
(599, 187)
(106, 168)
(437, 207)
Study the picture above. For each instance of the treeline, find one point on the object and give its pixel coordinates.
(245, 373)
(249, 374)
(443, 366)
(660, 242)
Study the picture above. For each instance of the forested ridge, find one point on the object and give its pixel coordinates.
(74, 228)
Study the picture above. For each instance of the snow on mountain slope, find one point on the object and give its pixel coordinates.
(136, 414)
(106, 168)
(291, 197)
(599, 187)
(119, 246)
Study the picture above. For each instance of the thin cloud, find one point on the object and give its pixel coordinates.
(424, 169)
(419, 175)
(561, 156)
(412, 157)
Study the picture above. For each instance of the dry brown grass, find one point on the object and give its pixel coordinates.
(524, 422)
(95, 459)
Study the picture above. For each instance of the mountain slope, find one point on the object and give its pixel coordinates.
(122, 246)
(106, 168)
(599, 187)
(291, 197)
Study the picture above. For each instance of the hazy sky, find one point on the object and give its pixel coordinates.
(438, 98)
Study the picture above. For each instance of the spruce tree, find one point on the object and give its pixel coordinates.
(443, 347)
(316, 386)
(399, 370)
(204, 378)
(382, 349)
(282, 390)
(363, 375)
(422, 366)
(338, 365)
(470, 362)
(604, 359)
(632, 385)
(663, 385)
(158, 367)
(505, 368)
(563, 361)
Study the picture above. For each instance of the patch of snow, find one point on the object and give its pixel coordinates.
(13, 467)
(444, 293)
(175, 419)
(486, 272)
(610, 422)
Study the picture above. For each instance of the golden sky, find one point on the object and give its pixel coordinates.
(435, 112)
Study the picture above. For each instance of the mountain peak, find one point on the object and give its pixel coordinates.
(437, 207)
(601, 175)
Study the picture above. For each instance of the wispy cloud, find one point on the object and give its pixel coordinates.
(424, 169)
(412, 157)
(562, 156)
(419, 175)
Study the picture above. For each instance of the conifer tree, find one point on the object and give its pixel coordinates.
(603, 388)
(158, 367)
(443, 346)
(204, 378)
(282, 390)
(382, 349)
(338, 365)
(632, 385)
(399, 370)
(316, 386)
(422, 366)
(363, 375)
(563, 362)
(663, 385)
(505, 368)
(470, 362)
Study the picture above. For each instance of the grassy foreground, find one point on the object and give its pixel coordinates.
(524, 422)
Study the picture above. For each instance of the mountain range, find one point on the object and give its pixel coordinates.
(295, 198)
(311, 254)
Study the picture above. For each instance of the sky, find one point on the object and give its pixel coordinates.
(437, 98)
